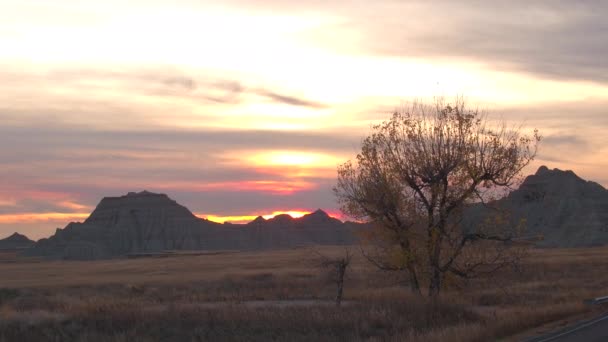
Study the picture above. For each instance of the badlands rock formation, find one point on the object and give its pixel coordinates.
(148, 222)
(16, 241)
(564, 209)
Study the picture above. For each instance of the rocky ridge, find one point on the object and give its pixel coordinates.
(146, 222)
(16, 241)
(560, 207)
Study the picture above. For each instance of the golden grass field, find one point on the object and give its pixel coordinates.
(283, 296)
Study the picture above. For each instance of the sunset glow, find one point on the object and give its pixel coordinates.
(286, 158)
(249, 218)
(271, 187)
(42, 217)
(74, 217)
(240, 107)
(292, 213)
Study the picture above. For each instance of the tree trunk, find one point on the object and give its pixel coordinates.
(435, 283)
(340, 283)
(434, 256)
(414, 283)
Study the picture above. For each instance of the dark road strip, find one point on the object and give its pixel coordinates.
(594, 330)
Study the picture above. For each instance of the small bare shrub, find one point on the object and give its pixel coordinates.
(7, 294)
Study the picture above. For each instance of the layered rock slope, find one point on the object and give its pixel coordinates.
(16, 241)
(148, 222)
(564, 209)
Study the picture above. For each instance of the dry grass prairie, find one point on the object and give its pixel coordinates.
(282, 296)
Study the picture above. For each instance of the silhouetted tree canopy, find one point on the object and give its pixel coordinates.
(415, 176)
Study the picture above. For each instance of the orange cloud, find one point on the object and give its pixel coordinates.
(269, 186)
(296, 172)
(73, 205)
(15, 197)
(48, 195)
(277, 187)
(8, 202)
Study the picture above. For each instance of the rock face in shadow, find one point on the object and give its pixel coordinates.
(315, 228)
(564, 209)
(16, 241)
(147, 222)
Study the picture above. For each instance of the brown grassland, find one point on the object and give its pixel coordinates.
(282, 296)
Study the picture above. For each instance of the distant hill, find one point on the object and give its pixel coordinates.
(565, 209)
(146, 222)
(16, 241)
(560, 206)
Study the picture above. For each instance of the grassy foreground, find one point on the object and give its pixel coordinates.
(282, 296)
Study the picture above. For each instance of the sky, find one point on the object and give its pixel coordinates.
(241, 108)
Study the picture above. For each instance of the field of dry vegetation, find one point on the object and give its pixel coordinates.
(281, 296)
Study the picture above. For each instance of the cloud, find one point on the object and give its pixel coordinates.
(583, 117)
(40, 140)
(555, 39)
(230, 92)
(290, 100)
(552, 39)
(561, 140)
(167, 82)
(565, 148)
(181, 81)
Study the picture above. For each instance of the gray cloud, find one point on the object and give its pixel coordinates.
(34, 138)
(553, 39)
(558, 39)
(565, 147)
(585, 115)
(561, 140)
(180, 81)
(231, 92)
(173, 83)
(290, 100)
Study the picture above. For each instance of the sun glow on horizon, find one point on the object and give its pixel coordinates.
(64, 218)
(249, 218)
(290, 158)
(292, 213)
(292, 164)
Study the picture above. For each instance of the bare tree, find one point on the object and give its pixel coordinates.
(338, 267)
(414, 178)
